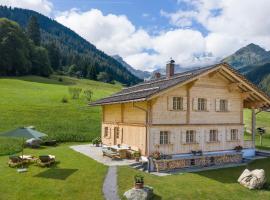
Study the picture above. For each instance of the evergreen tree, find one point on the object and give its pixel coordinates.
(40, 62)
(92, 73)
(33, 30)
(54, 55)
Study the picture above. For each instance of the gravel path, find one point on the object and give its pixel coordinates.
(110, 184)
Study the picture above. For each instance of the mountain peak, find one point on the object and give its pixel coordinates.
(252, 54)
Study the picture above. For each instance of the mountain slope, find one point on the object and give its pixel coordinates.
(74, 49)
(139, 73)
(251, 54)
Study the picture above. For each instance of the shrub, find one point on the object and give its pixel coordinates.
(88, 94)
(96, 141)
(136, 154)
(74, 92)
(60, 79)
(64, 100)
(156, 155)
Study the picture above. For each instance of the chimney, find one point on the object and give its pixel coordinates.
(170, 68)
(157, 75)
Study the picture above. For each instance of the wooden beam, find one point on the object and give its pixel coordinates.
(245, 95)
(253, 125)
(234, 86)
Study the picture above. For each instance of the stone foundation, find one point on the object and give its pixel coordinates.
(197, 161)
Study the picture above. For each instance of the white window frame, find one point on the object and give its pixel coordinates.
(213, 135)
(223, 105)
(234, 134)
(178, 103)
(190, 136)
(202, 104)
(164, 137)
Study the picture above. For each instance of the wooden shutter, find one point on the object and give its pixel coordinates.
(217, 105)
(195, 103)
(228, 134)
(208, 104)
(183, 134)
(170, 102)
(197, 136)
(229, 105)
(184, 103)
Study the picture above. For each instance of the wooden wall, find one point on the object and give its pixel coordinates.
(177, 142)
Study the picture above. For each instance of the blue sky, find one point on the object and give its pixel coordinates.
(147, 33)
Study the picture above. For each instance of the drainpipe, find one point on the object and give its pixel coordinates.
(147, 126)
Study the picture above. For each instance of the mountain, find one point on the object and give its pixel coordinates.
(76, 53)
(139, 73)
(246, 57)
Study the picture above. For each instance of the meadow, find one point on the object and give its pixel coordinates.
(36, 101)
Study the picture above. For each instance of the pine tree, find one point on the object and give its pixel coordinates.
(33, 30)
(54, 55)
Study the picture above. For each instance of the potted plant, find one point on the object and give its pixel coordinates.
(238, 148)
(139, 181)
(137, 156)
(96, 141)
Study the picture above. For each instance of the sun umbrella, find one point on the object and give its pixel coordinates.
(24, 133)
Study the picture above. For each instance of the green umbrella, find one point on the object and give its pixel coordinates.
(24, 133)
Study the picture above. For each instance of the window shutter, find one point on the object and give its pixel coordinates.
(228, 134)
(183, 137)
(195, 103)
(217, 105)
(184, 103)
(229, 105)
(197, 136)
(208, 106)
(170, 103)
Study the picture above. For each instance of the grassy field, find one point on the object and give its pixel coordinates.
(74, 177)
(36, 101)
(210, 185)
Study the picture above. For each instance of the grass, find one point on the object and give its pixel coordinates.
(214, 184)
(74, 177)
(36, 101)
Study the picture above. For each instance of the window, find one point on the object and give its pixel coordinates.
(116, 132)
(190, 136)
(201, 104)
(177, 103)
(213, 137)
(223, 105)
(106, 132)
(164, 137)
(234, 134)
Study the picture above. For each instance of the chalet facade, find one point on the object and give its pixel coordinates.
(198, 110)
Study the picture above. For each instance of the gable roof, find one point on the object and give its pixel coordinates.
(146, 90)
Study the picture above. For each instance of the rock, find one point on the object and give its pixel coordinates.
(253, 179)
(139, 194)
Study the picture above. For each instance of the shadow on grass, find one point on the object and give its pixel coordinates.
(56, 173)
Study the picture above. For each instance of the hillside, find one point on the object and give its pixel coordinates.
(37, 101)
(74, 49)
(251, 54)
(139, 73)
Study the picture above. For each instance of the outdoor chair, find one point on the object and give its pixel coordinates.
(15, 161)
(46, 160)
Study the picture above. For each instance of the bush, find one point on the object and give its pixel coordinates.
(74, 92)
(88, 94)
(64, 100)
(96, 141)
(139, 178)
(60, 79)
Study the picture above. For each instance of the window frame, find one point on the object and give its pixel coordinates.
(117, 132)
(202, 104)
(223, 107)
(190, 136)
(163, 137)
(213, 135)
(234, 134)
(178, 103)
(106, 131)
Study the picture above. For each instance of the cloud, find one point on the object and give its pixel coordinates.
(115, 34)
(42, 6)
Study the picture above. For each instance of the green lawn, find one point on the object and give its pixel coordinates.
(74, 177)
(36, 101)
(214, 184)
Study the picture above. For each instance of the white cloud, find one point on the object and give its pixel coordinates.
(42, 6)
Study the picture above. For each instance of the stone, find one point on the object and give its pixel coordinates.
(252, 179)
(139, 194)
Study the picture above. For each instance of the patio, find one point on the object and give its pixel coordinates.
(96, 154)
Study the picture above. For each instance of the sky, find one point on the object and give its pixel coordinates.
(147, 33)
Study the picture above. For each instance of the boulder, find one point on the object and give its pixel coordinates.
(253, 179)
(139, 194)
